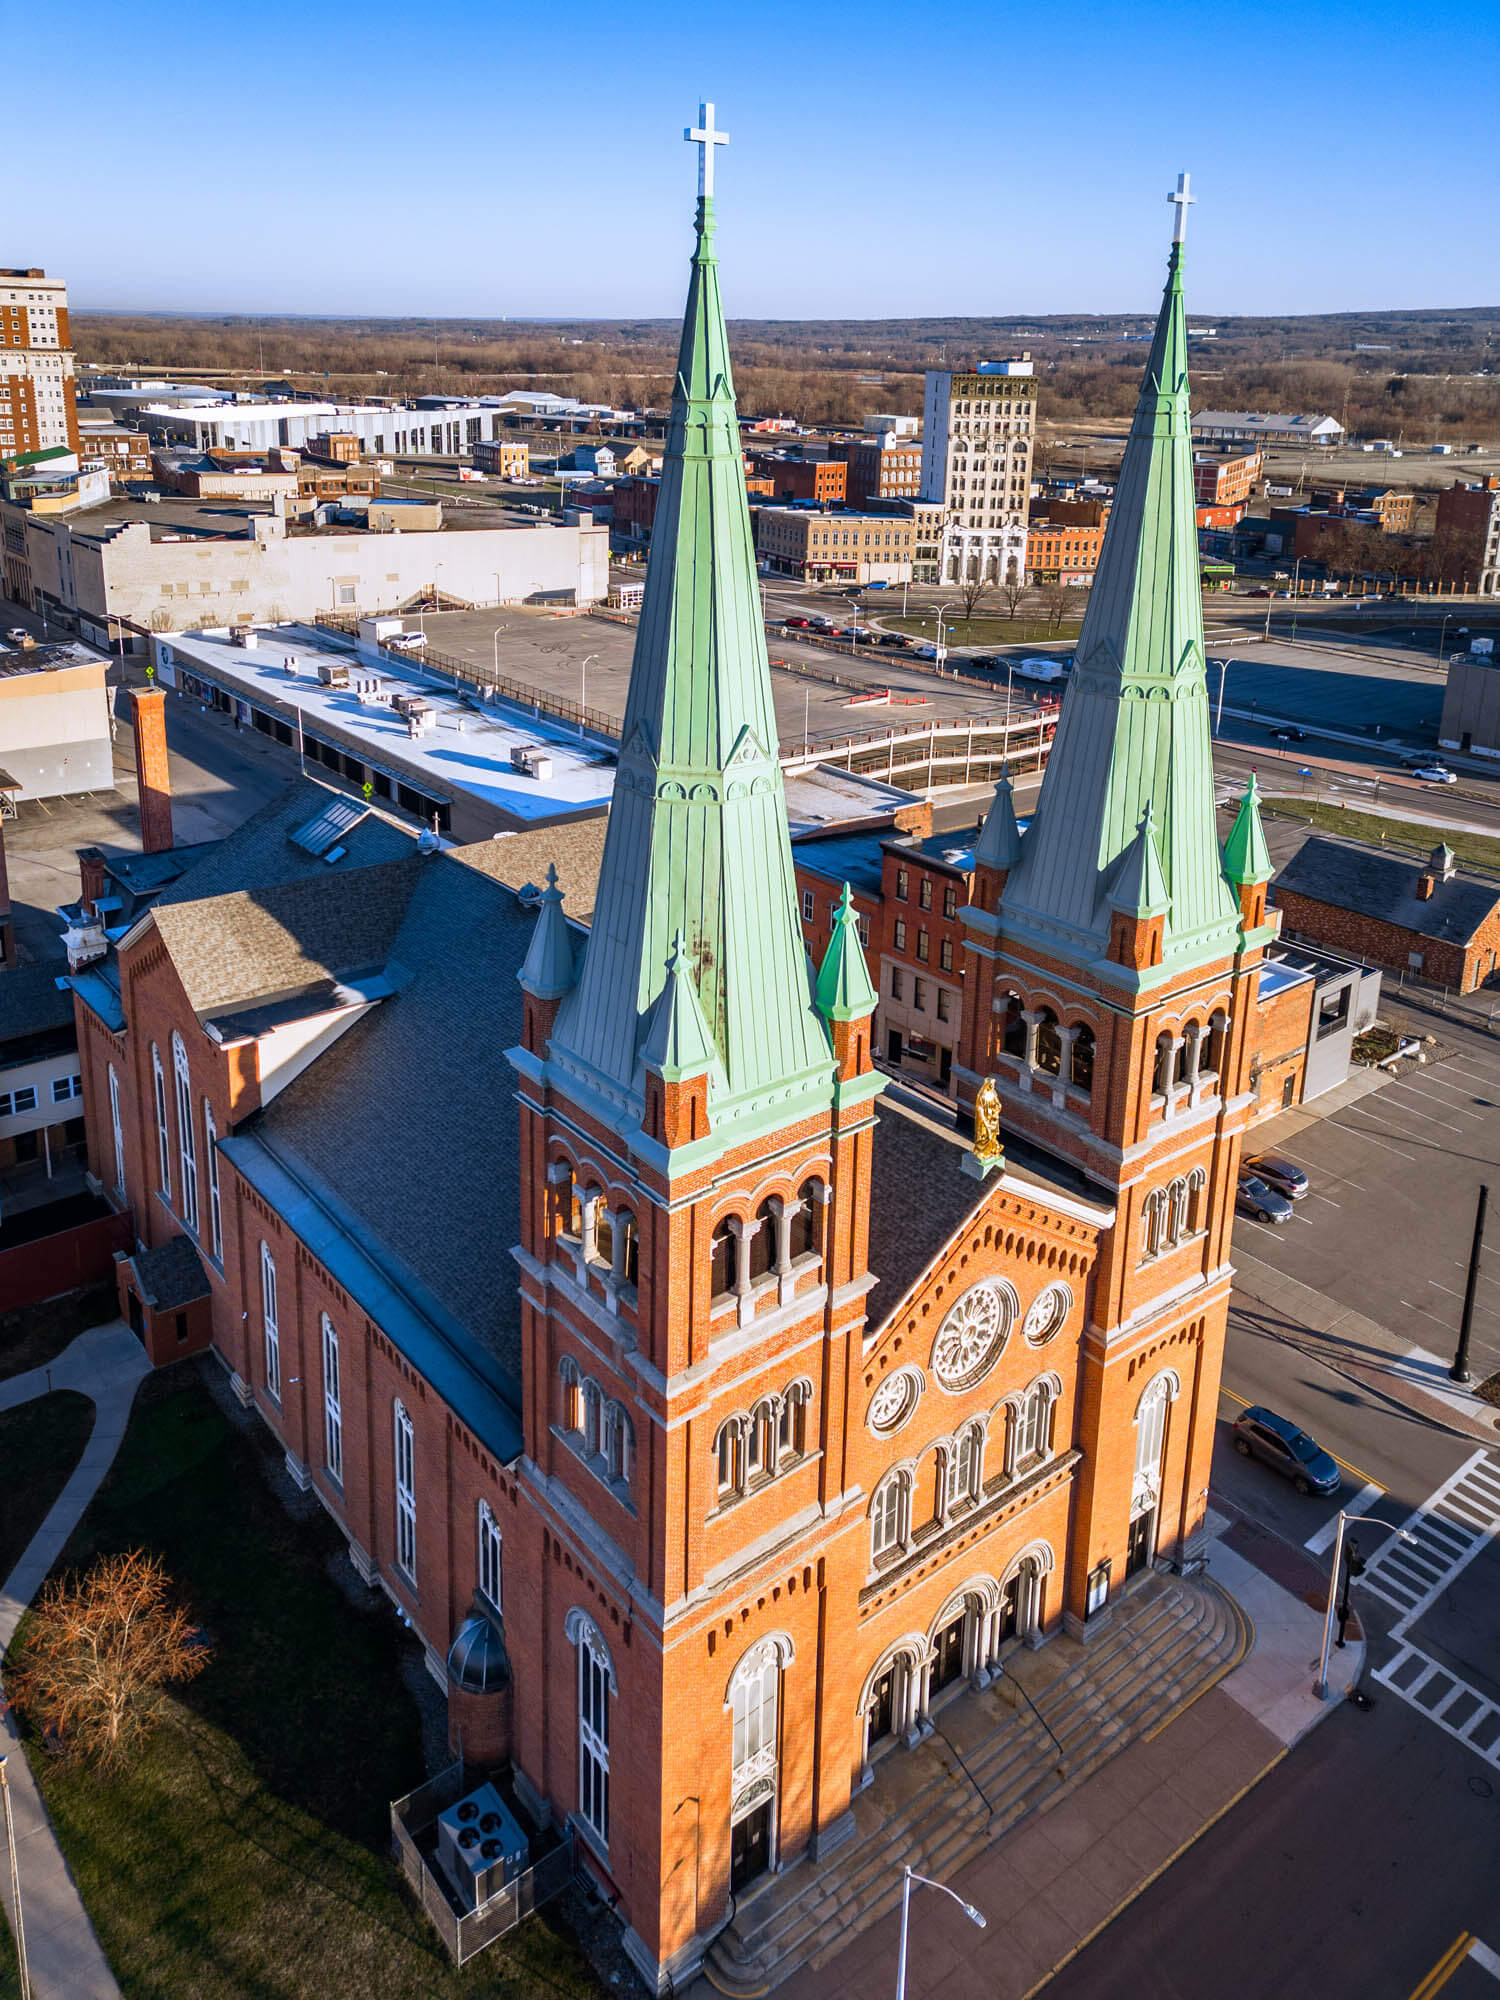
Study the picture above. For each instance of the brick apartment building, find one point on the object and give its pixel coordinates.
(1226, 479)
(1468, 518)
(1427, 918)
(1064, 546)
(823, 547)
(123, 454)
(824, 481)
(633, 502)
(38, 404)
(746, 1460)
(885, 467)
(504, 458)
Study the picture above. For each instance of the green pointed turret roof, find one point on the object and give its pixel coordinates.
(999, 842)
(1247, 859)
(697, 839)
(844, 989)
(1134, 728)
(549, 968)
(677, 1043)
(1139, 886)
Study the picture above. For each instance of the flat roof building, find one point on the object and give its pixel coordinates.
(54, 721)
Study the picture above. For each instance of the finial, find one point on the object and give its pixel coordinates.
(705, 138)
(552, 875)
(678, 960)
(1181, 199)
(846, 904)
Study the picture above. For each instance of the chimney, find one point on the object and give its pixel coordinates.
(152, 776)
(91, 877)
(1426, 883)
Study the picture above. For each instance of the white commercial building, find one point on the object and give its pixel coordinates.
(1217, 428)
(54, 721)
(184, 564)
(977, 435)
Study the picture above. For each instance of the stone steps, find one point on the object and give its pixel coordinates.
(1129, 1680)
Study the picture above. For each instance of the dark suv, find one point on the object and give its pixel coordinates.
(1260, 1433)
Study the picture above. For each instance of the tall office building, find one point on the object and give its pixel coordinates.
(976, 463)
(37, 407)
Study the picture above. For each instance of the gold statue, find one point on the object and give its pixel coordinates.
(987, 1145)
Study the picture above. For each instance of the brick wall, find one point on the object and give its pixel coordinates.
(1461, 966)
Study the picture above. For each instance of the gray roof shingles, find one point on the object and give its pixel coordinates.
(1384, 886)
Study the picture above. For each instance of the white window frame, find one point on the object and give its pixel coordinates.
(333, 1404)
(163, 1142)
(490, 1548)
(187, 1144)
(406, 1492)
(215, 1208)
(888, 1516)
(269, 1322)
(117, 1129)
(596, 1687)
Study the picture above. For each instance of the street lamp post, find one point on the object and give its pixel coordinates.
(942, 650)
(1459, 1372)
(1296, 587)
(1442, 636)
(908, 1876)
(583, 687)
(495, 644)
(1320, 1687)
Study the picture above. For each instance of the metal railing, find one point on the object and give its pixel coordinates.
(466, 1932)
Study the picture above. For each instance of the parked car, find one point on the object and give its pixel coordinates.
(1281, 1176)
(799, 624)
(1436, 774)
(1418, 760)
(407, 642)
(1253, 1198)
(1036, 668)
(1283, 1445)
(19, 634)
(1285, 733)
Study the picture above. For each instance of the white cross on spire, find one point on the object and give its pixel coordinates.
(705, 138)
(1181, 198)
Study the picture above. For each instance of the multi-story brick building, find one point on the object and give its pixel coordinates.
(38, 409)
(1468, 528)
(790, 1413)
(122, 453)
(1227, 479)
(884, 467)
(977, 436)
(1064, 551)
(831, 547)
(824, 481)
(505, 457)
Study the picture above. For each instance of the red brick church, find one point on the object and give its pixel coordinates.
(711, 1414)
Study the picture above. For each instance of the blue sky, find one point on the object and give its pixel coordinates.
(886, 159)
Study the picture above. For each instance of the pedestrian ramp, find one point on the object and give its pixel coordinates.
(1425, 1684)
(1443, 1536)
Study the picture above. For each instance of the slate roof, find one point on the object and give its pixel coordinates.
(260, 851)
(1384, 886)
(919, 1195)
(30, 1003)
(170, 1276)
(405, 1131)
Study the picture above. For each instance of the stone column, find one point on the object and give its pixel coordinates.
(1033, 1019)
(1067, 1037)
(1172, 1086)
(1194, 1036)
(743, 1233)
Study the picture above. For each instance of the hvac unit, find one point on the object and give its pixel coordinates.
(480, 1846)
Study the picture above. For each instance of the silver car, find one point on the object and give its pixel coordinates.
(1253, 1198)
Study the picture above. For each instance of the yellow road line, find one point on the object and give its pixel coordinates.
(1445, 1968)
(1353, 1471)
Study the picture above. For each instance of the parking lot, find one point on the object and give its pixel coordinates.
(549, 653)
(1386, 1227)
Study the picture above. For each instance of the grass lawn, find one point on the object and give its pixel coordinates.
(246, 1853)
(40, 1443)
(988, 630)
(31, 1336)
(1375, 828)
(10, 1978)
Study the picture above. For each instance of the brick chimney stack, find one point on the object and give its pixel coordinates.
(151, 773)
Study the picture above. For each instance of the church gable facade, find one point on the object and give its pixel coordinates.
(799, 1409)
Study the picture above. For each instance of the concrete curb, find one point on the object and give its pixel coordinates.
(106, 1364)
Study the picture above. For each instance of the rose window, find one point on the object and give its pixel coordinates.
(893, 1402)
(1045, 1315)
(971, 1337)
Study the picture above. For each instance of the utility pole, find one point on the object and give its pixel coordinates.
(15, 1885)
(1459, 1372)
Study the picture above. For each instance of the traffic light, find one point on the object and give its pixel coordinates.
(1354, 1559)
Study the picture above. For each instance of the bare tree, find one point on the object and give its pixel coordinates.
(972, 592)
(1057, 599)
(1013, 590)
(98, 1651)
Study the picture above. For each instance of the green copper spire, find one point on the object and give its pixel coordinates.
(1246, 857)
(844, 989)
(1135, 724)
(549, 968)
(697, 842)
(999, 842)
(1139, 886)
(677, 1043)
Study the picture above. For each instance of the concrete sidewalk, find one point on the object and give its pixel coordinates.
(105, 1364)
(1050, 1887)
